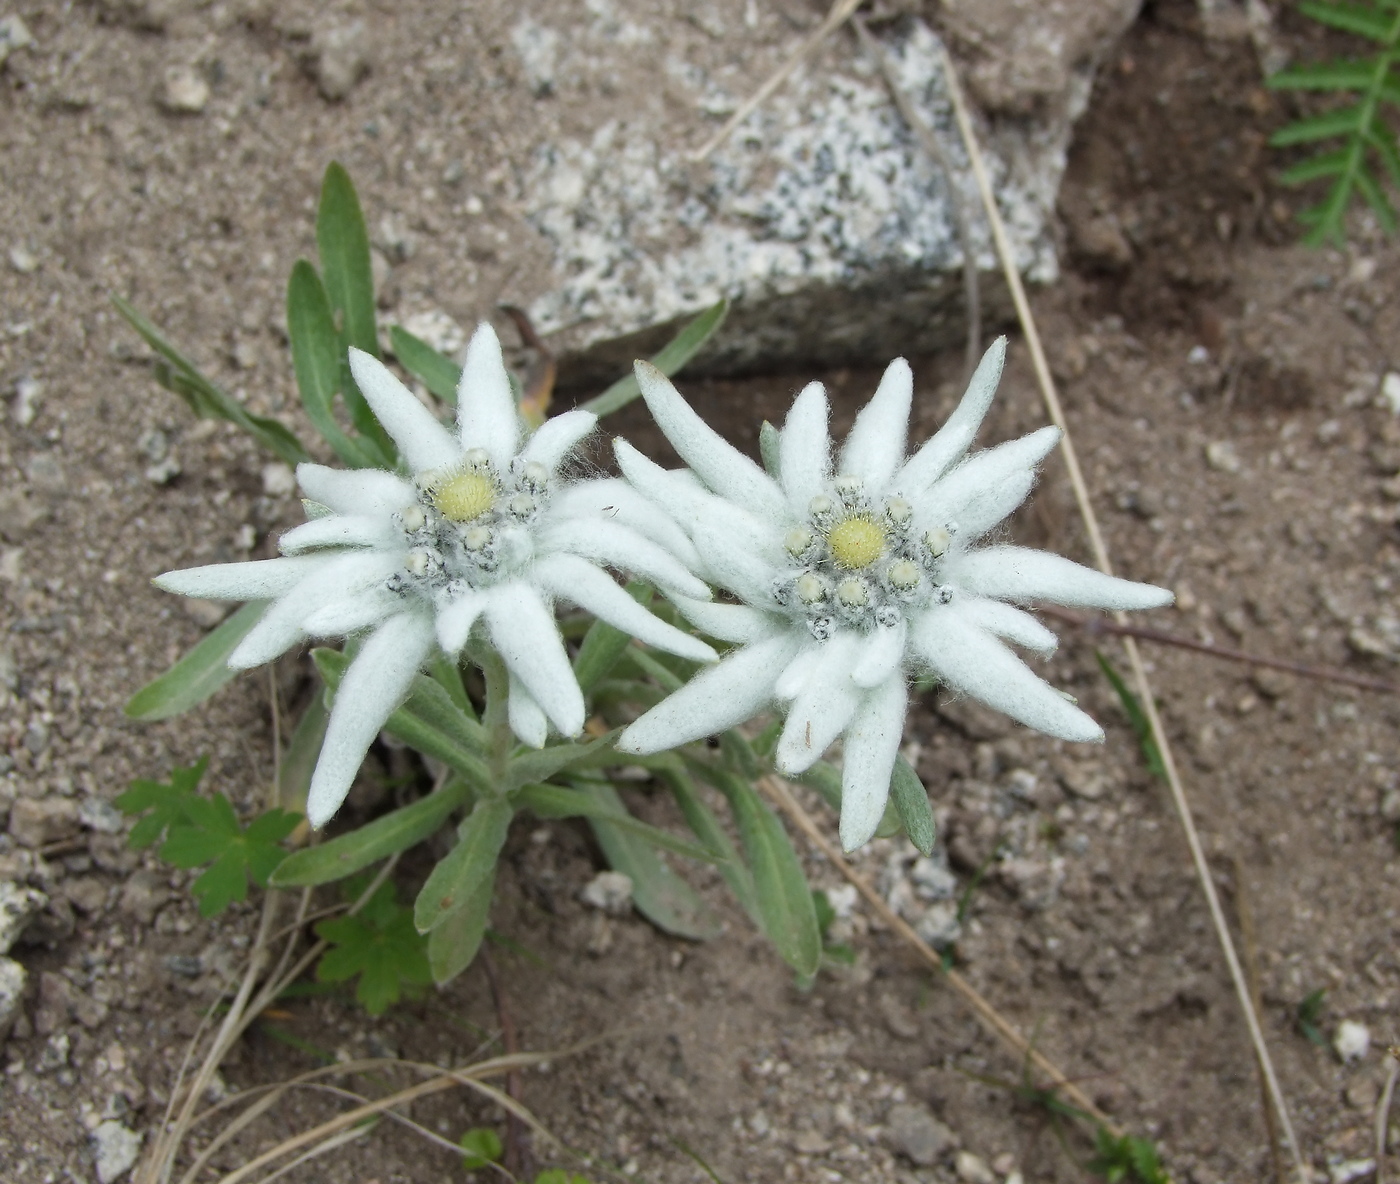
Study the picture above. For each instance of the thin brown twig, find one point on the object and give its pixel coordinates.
(1091, 525)
(999, 1024)
(1100, 626)
(517, 1150)
(840, 12)
(1383, 1113)
(962, 218)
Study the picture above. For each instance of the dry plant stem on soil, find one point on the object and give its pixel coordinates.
(1144, 688)
(999, 1025)
(841, 11)
(1383, 1112)
(1098, 626)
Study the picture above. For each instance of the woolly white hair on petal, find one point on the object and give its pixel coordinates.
(870, 748)
(883, 654)
(804, 448)
(259, 579)
(454, 621)
(616, 500)
(722, 467)
(1007, 622)
(747, 573)
(969, 660)
(1019, 573)
(350, 614)
(875, 447)
(523, 714)
(375, 684)
(823, 707)
(946, 446)
(986, 471)
(424, 443)
(354, 491)
(556, 437)
(737, 623)
(986, 508)
(796, 673)
(486, 412)
(577, 580)
(608, 542)
(340, 530)
(525, 635)
(719, 697)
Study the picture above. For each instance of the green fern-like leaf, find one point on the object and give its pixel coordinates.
(1366, 139)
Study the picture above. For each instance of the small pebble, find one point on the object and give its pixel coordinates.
(23, 260)
(14, 34)
(1222, 457)
(972, 1169)
(609, 891)
(19, 905)
(1390, 392)
(28, 392)
(37, 822)
(205, 613)
(339, 58)
(278, 480)
(12, 982)
(914, 1132)
(1352, 1040)
(100, 815)
(114, 1150)
(184, 91)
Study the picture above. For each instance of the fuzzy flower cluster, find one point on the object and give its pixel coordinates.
(846, 575)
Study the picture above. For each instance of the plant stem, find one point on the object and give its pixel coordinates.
(495, 717)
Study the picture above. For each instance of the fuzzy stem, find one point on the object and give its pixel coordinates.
(495, 716)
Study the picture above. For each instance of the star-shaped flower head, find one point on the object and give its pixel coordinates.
(856, 575)
(481, 528)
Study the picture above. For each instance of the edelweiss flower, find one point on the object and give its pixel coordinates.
(855, 578)
(482, 528)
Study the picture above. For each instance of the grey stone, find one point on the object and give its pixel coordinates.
(114, 1150)
(915, 1133)
(12, 982)
(36, 736)
(88, 894)
(338, 58)
(19, 905)
(822, 217)
(278, 480)
(205, 613)
(143, 895)
(55, 1002)
(45, 473)
(183, 90)
(19, 515)
(100, 815)
(23, 260)
(154, 444)
(973, 1169)
(28, 393)
(163, 472)
(609, 891)
(56, 1052)
(14, 34)
(37, 822)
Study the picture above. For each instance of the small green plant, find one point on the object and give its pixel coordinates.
(1309, 1017)
(200, 830)
(378, 945)
(835, 951)
(1126, 1158)
(1368, 84)
(481, 1148)
(1137, 717)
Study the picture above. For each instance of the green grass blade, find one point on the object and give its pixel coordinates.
(466, 867)
(206, 399)
(1341, 122)
(438, 373)
(659, 894)
(684, 346)
(299, 761)
(1360, 19)
(1324, 76)
(708, 830)
(1142, 728)
(343, 243)
(199, 673)
(394, 832)
(1329, 164)
(911, 803)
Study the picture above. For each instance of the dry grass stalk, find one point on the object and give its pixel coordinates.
(1144, 689)
(841, 11)
(995, 1021)
(1383, 1112)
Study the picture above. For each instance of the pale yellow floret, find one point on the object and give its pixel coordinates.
(856, 542)
(465, 496)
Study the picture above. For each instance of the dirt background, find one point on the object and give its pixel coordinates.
(1222, 386)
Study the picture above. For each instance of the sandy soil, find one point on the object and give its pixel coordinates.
(1255, 474)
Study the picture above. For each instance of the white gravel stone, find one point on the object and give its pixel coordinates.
(14, 34)
(18, 906)
(915, 1132)
(1352, 1040)
(278, 480)
(1222, 457)
(184, 91)
(28, 392)
(972, 1169)
(12, 981)
(609, 891)
(114, 1150)
(339, 58)
(1390, 392)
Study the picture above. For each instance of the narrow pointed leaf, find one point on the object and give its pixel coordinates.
(541, 764)
(394, 832)
(199, 673)
(659, 894)
(684, 346)
(299, 761)
(559, 801)
(1319, 127)
(453, 945)
(1324, 76)
(1351, 18)
(467, 866)
(447, 674)
(770, 449)
(1329, 164)
(437, 372)
(911, 802)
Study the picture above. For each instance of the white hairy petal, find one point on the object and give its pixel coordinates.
(1007, 622)
(556, 437)
(870, 748)
(976, 479)
(796, 673)
(526, 719)
(577, 580)
(424, 443)
(486, 413)
(823, 707)
(616, 501)
(728, 622)
(455, 620)
(970, 660)
(804, 448)
(524, 634)
(719, 697)
(746, 573)
(607, 542)
(947, 446)
(283, 625)
(259, 579)
(373, 687)
(875, 447)
(340, 530)
(355, 491)
(1019, 573)
(350, 614)
(721, 466)
(884, 649)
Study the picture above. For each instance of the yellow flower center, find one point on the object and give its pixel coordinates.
(466, 496)
(856, 542)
